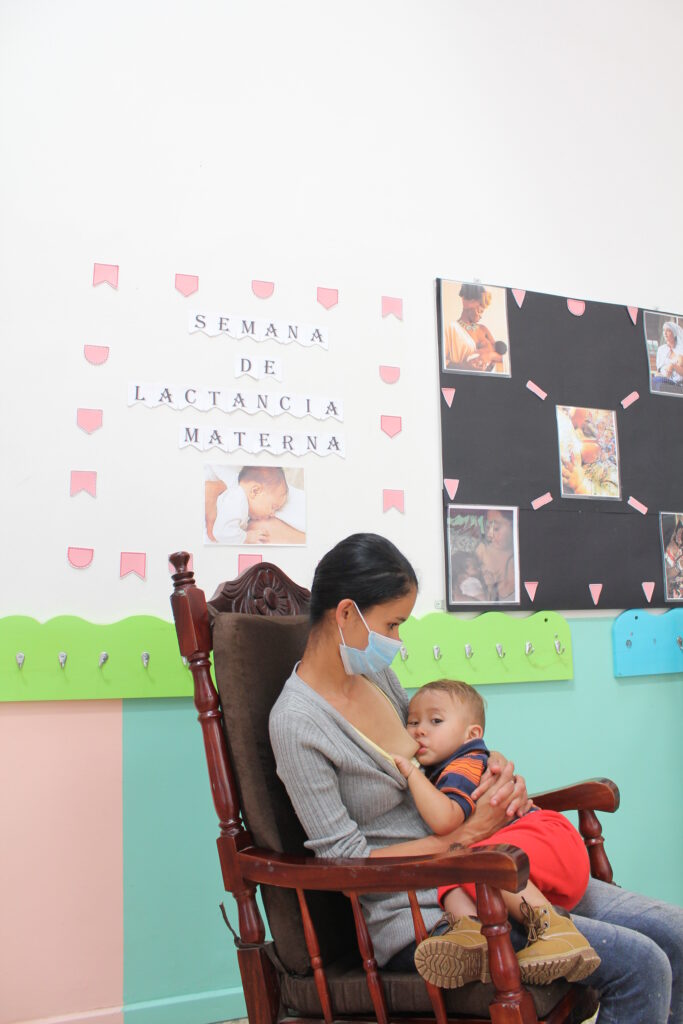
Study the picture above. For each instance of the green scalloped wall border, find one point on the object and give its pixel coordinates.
(450, 634)
(122, 675)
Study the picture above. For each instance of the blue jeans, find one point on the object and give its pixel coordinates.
(640, 943)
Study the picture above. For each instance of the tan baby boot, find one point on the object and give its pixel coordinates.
(556, 948)
(456, 957)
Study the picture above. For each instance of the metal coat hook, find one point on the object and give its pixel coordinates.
(437, 652)
(103, 658)
(20, 659)
(145, 658)
(62, 659)
(404, 654)
(679, 641)
(469, 653)
(499, 649)
(559, 647)
(529, 647)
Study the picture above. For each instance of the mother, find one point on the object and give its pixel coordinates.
(343, 709)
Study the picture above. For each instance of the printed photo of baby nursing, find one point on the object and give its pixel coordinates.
(474, 329)
(254, 505)
(664, 343)
(589, 452)
(483, 554)
(671, 533)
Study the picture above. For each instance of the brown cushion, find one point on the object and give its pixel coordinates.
(405, 993)
(253, 657)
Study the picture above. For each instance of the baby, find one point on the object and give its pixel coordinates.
(467, 582)
(447, 719)
(236, 501)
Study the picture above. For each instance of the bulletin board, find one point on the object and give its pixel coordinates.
(562, 448)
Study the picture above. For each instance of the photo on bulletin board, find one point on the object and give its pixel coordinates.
(483, 554)
(664, 344)
(588, 451)
(474, 329)
(671, 532)
(254, 505)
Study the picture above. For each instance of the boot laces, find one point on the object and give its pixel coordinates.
(535, 922)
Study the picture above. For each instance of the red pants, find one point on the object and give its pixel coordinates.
(558, 858)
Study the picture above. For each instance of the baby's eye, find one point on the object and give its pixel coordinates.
(437, 721)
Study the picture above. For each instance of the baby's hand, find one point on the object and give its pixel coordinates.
(404, 765)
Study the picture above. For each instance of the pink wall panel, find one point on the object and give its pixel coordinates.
(61, 862)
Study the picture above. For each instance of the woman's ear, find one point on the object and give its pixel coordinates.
(343, 611)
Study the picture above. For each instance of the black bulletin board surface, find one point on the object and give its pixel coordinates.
(500, 442)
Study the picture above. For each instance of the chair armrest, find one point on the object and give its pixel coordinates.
(593, 795)
(504, 867)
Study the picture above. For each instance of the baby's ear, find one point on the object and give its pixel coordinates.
(474, 732)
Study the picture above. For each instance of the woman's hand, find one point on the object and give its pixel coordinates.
(517, 798)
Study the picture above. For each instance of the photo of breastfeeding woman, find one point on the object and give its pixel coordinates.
(334, 729)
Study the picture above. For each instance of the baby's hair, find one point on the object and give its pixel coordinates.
(268, 476)
(462, 693)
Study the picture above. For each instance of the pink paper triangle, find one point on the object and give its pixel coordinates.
(186, 284)
(519, 294)
(89, 420)
(328, 297)
(451, 486)
(390, 374)
(262, 289)
(391, 425)
(648, 590)
(596, 590)
(531, 586)
(576, 306)
(633, 313)
(449, 395)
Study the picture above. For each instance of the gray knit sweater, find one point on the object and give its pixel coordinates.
(349, 798)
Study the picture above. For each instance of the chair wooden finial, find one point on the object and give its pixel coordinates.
(180, 561)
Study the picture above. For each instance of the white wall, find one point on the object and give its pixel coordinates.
(365, 146)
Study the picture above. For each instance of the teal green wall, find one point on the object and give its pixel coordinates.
(180, 965)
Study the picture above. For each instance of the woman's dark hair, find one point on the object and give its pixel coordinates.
(365, 567)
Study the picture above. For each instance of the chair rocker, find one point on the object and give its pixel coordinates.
(319, 965)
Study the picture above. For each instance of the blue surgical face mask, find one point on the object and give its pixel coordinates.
(379, 653)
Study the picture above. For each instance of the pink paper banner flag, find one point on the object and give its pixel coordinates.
(534, 388)
(596, 590)
(80, 558)
(186, 284)
(633, 313)
(519, 294)
(246, 562)
(262, 289)
(328, 297)
(96, 354)
(393, 499)
(83, 480)
(89, 420)
(630, 399)
(105, 273)
(392, 305)
(451, 486)
(544, 499)
(190, 565)
(648, 590)
(531, 586)
(390, 374)
(133, 561)
(449, 395)
(637, 505)
(576, 306)
(391, 425)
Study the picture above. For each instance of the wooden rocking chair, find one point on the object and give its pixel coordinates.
(319, 965)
